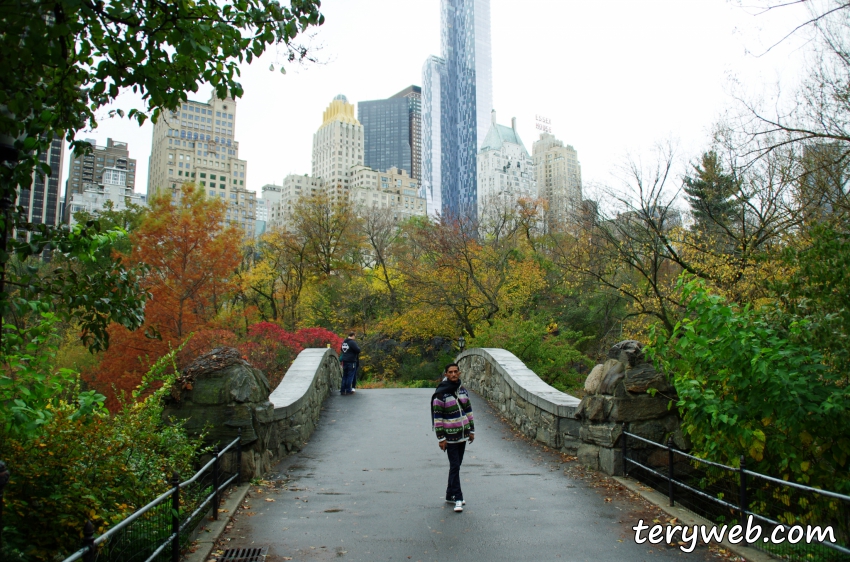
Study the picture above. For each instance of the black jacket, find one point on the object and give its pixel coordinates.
(350, 351)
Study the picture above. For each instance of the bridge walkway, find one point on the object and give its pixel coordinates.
(369, 486)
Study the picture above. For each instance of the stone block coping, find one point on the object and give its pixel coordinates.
(294, 389)
(525, 383)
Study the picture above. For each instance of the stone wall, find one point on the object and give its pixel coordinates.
(221, 393)
(536, 409)
(625, 391)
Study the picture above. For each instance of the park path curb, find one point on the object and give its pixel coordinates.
(688, 518)
(209, 531)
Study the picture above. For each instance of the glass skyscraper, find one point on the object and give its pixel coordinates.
(456, 102)
(386, 132)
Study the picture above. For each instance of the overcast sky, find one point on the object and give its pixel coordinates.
(616, 77)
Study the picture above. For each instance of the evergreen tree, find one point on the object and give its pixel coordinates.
(711, 195)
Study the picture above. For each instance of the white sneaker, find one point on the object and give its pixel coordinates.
(452, 501)
(458, 506)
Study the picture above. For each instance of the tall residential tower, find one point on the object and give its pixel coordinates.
(196, 144)
(337, 146)
(558, 174)
(463, 77)
(41, 200)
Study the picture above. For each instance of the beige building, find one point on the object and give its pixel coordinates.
(558, 174)
(196, 144)
(283, 199)
(337, 146)
(505, 171)
(393, 189)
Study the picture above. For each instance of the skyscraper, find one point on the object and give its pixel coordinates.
(558, 174)
(87, 170)
(466, 99)
(337, 146)
(386, 133)
(432, 171)
(391, 131)
(413, 95)
(196, 144)
(41, 200)
(505, 171)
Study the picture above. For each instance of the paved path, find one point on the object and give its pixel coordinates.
(370, 485)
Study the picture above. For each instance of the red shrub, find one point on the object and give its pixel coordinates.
(272, 349)
(318, 337)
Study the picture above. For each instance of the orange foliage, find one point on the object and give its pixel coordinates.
(191, 254)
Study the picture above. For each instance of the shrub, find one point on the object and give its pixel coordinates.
(88, 467)
(753, 382)
(272, 349)
(551, 354)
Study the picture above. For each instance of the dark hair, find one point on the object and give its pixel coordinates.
(350, 334)
(446, 370)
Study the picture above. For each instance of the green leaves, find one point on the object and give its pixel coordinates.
(755, 382)
(93, 289)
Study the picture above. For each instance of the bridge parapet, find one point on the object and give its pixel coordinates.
(538, 410)
(220, 394)
(624, 392)
(298, 399)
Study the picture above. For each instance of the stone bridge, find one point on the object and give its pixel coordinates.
(369, 482)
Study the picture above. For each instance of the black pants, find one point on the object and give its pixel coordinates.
(455, 452)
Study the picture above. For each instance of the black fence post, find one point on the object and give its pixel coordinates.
(215, 482)
(4, 479)
(670, 471)
(175, 518)
(742, 493)
(625, 451)
(239, 459)
(88, 542)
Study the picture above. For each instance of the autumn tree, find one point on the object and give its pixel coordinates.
(273, 274)
(382, 233)
(192, 256)
(64, 62)
(330, 231)
(453, 273)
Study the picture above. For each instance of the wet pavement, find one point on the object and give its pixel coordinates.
(370, 485)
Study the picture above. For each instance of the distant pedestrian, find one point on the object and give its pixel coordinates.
(451, 412)
(349, 358)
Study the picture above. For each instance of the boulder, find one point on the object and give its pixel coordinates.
(628, 352)
(594, 379)
(643, 377)
(594, 408)
(605, 435)
(218, 394)
(588, 455)
(639, 408)
(612, 372)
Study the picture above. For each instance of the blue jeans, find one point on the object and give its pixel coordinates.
(349, 369)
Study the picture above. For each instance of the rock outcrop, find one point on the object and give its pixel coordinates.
(625, 391)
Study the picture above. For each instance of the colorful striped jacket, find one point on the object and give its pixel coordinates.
(452, 416)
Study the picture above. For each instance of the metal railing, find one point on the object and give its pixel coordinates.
(158, 531)
(724, 494)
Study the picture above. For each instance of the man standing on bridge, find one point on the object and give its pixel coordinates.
(452, 420)
(349, 358)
